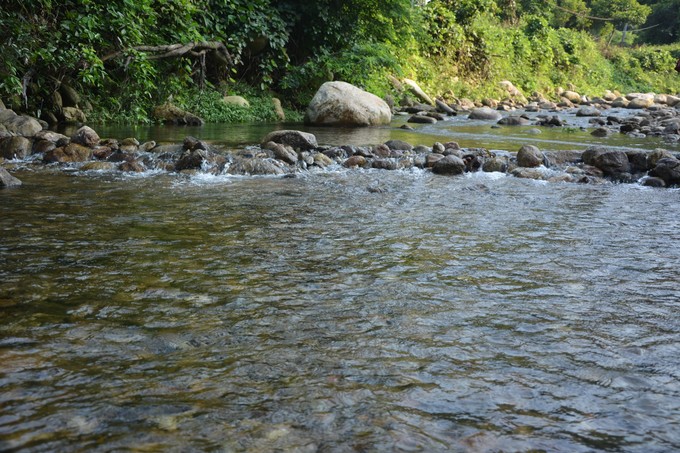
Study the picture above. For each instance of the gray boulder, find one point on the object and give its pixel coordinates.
(495, 164)
(422, 119)
(449, 165)
(588, 110)
(343, 104)
(668, 169)
(399, 145)
(256, 166)
(7, 180)
(530, 156)
(514, 121)
(611, 162)
(295, 139)
(485, 113)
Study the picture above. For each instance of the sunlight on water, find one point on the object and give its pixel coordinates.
(337, 311)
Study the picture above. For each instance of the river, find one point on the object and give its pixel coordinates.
(160, 312)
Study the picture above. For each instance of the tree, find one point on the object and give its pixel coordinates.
(622, 11)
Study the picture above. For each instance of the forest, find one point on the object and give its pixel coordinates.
(120, 58)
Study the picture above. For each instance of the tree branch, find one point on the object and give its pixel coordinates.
(194, 49)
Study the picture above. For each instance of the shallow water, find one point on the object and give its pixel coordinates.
(479, 313)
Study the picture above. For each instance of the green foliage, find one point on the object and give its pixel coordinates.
(452, 47)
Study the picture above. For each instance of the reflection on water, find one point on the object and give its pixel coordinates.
(468, 133)
(479, 313)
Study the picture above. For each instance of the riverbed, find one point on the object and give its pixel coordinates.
(345, 310)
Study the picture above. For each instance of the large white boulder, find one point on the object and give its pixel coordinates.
(343, 104)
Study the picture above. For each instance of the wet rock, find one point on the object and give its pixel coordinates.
(435, 115)
(473, 162)
(43, 146)
(193, 144)
(398, 145)
(668, 169)
(588, 111)
(449, 165)
(355, 161)
(85, 136)
(295, 139)
(323, 161)
(495, 164)
(7, 180)
(191, 160)
(562, 157)
(98, 166)
(257, 166)
(147, 146)
(485, 113)
(422, 119)
(131, 167)
(117, 155)
(15, 147)
(444, 107)
(406, 127)
(638, 161)
(528, 173)
(431, 159)
(514, 121)
(385, 164)
(655, 156)
(611, 162)
(382, 150)
(282, 152)
(72, 152)
(652, 181)
(529, 156)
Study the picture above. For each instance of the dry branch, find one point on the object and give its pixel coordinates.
(194, 49)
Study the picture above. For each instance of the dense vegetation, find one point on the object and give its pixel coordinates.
(125, 56)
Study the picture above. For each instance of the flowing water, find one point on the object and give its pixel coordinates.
(164, 312)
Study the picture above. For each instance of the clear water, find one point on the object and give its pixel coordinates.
(479, 313)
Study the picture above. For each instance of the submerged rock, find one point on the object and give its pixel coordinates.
(7, 180)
